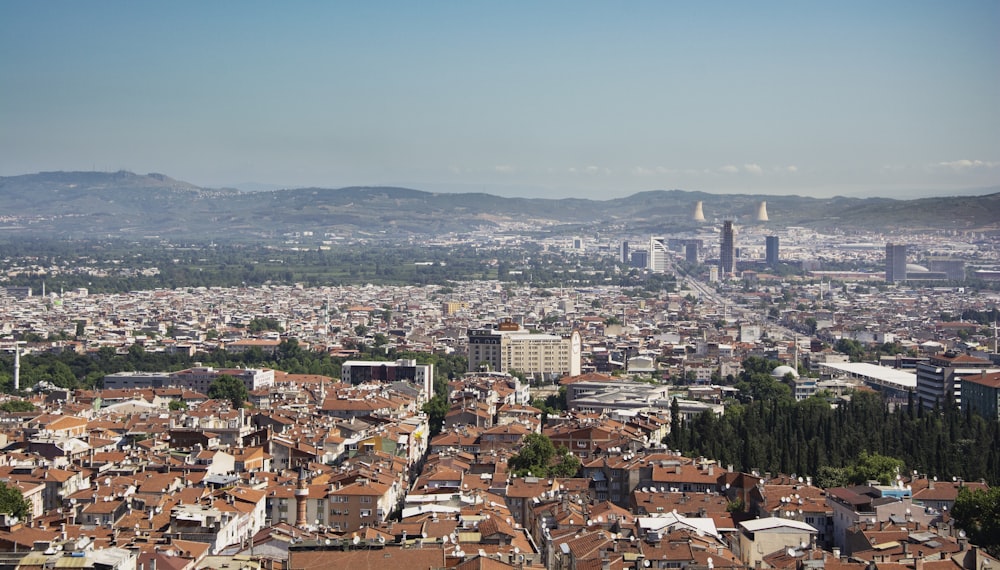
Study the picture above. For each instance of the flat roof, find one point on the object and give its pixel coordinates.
(882, 374)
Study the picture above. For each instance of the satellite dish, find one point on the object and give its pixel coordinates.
(357, 539)
(444, 539)
(790, 552)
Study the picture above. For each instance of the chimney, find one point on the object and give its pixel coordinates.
(836, 552)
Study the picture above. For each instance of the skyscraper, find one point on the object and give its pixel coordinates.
(658, 254)
(691, 252)
(771, 247)
(895, 263)
(625, 253)
(727, 249)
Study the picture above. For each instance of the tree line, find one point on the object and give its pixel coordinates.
(777, 434)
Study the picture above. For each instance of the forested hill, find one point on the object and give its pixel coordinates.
(97, 204)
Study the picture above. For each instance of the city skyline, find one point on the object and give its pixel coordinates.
(555, 100)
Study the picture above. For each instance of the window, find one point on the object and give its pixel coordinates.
(366, 499)
(366, 513)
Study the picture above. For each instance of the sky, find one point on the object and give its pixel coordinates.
(535, 98)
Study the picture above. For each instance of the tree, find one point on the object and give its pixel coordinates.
(17, 406)
(875, 467)
(13, 502)
(978, 513)
(175, 405)
(436, 409)
(541, 459)
(226, 387)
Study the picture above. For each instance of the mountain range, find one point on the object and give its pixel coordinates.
(84, 205)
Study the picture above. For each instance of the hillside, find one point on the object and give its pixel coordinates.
(92, 204)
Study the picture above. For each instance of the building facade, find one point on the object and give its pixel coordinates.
(361, 371)
(727, 249)
(981, 394)
(939, 380)
(895, 263)
(658, 254)
(508, 349)
(771, 250)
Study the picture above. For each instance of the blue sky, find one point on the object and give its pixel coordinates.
(554, 99)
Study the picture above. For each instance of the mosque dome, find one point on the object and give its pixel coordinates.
(782, 370)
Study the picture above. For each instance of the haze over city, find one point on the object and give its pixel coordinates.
(520, 99)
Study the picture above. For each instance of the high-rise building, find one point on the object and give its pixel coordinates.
(691, 252)
(895, 263)
(658, 252)
(640, 258)
(625, 253)
(771, 248)
(727, 249)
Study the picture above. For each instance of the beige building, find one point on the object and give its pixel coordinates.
(760, 537)
(508, 348)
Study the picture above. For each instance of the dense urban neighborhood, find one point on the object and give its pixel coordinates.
(705, 415)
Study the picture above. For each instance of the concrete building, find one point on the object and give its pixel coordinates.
(771, 250)
(760, 537)
(658, 254)
(362, 371)
(727, 249)
(939, 380)
(981, 394)
(508, 348)
(895, 263)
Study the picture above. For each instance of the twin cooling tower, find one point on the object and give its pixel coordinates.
(699, 212)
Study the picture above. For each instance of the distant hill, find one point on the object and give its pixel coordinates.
(97, 204)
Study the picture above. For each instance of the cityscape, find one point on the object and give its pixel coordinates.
(515, 415)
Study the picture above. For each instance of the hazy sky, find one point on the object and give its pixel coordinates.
(536, 98)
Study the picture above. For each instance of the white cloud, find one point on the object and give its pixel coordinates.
(966, 164)
(790, 169)
(504, 168)
(649, 171)
(753, 168)
(729, 169)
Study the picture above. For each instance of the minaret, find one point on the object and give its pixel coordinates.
(301, 494)
(17, 367)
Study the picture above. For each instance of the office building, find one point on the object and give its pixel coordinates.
(939, 380)
(771, 249)
(727, 249)
(895, 263)
(658, 252)
(508, 348)
(625, 253)
(691, 252)
(640, 259)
